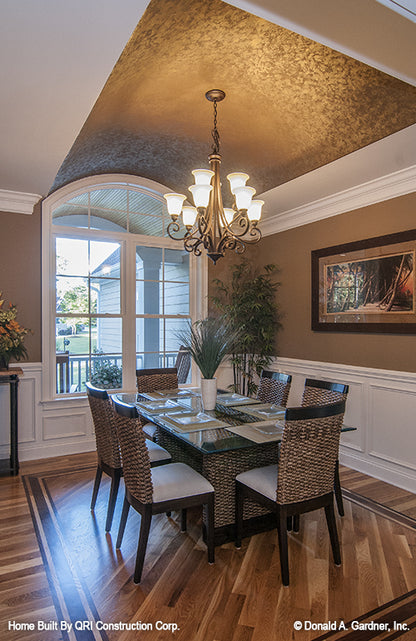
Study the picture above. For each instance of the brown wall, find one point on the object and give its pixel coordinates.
(291, 252)
(20, 272)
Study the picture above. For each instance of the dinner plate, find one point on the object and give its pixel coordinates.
(190, 419)
(163, 405)
(171, 394)
(265, 411)
(268, 427)
(235, 399)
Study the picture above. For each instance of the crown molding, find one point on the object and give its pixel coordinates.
(374, 191)
(17, 202)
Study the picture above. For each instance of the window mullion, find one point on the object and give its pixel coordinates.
(128, 301)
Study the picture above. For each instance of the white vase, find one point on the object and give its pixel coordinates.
(209, 393)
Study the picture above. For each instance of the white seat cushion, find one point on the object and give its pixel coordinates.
(176, 481)
(262, 480)
(157, 453)
(149, 430)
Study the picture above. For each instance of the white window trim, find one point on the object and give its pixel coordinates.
(198, 273)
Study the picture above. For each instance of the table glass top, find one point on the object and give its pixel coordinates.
(209, 432)
(228, 427)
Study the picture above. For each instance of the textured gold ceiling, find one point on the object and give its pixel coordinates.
(292, 104)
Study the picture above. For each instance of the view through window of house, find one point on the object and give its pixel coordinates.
(115, 292)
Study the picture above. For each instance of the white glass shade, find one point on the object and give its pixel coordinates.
(189, 215)
(201, 194)
(174, 202)
(254, 211)
(237, 179)
(229, 215)
(202, 176)
(243, 196)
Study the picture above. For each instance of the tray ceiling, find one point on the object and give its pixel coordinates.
(292, 105)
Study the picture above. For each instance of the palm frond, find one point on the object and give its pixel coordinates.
(208, 341)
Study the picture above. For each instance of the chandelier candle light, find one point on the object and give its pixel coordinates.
(209, 223)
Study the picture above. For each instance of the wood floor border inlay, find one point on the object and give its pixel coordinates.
(402, 609)
(71, 597)
(73, 601)
(378, 508)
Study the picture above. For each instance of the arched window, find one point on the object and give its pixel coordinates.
(117, 288)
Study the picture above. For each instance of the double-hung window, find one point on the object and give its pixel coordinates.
(116, 288)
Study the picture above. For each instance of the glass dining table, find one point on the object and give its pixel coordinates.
(239, 434)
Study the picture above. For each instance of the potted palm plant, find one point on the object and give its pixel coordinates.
(208, 341)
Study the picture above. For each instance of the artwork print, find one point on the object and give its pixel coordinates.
(366, 286)
(377, 285)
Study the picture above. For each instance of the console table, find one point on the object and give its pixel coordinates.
(11, 377)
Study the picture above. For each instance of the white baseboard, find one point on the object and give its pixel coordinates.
(48, 450)
(398, 477)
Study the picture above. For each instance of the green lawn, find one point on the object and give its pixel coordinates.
(78, 343)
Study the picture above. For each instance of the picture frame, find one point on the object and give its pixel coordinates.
(366, 286)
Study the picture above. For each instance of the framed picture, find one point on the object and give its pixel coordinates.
(366, 286)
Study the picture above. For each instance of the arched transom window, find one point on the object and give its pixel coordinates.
(118, 287)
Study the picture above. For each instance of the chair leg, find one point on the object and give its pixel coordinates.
(115, 482)
(333, 534)
(183, 519)
(210, 529)
(123, 521)
(146, 519)
(284, 554)
(289, 523)
(296, 523)
(98, 475)
(239, 503)
(338, 493)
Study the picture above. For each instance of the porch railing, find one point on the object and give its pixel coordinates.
(72, 371)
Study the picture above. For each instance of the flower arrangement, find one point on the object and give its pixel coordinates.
(12, 336)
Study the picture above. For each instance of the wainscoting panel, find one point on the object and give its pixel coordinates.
(54, 428)
(391, 427)
(381, 406)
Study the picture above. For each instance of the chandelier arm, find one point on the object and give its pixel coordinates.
(256, 234)
(172, 228)
(192, 244)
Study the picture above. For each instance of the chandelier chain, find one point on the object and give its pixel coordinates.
(215, 133)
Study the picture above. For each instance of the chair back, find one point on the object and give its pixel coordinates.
(309, 452)
(318, 392)
(108, 448)
(183, 364)
(152, 380)
(136, 461)
(274, 387)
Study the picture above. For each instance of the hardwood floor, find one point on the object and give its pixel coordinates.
(57, 564)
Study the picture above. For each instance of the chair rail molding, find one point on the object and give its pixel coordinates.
(17, 202)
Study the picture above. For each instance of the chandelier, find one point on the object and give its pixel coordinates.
(209, 224)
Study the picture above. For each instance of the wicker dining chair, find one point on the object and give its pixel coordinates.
(151, 491)
(303, 479)
(274, 387)
(183, 364)
(108, 449)
(317, 392)
(153, 380)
